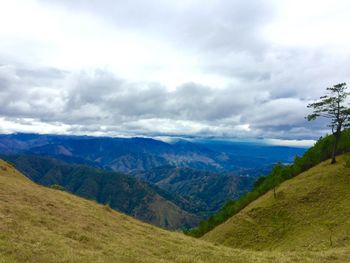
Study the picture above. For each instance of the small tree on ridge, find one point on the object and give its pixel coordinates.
(333, 106)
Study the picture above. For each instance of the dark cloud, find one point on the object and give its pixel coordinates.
(99, 101)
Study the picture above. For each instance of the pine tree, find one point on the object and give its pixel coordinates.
(333, 106)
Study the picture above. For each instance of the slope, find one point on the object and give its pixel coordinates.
(38, 224)
(311, 211)
(321, 151)
(206, 191)
(121, 192)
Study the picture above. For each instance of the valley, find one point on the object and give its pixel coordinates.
(44, 225)
(188, 181)
(304, 218)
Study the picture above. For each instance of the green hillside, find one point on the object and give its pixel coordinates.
(43, 225)
(121, 192)
(309, 212)
(319, 152)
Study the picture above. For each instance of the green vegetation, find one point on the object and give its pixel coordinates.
(42, 225)
(321, 151)
(311, 212)
(347, 163)
(57, 187)
(205, 191)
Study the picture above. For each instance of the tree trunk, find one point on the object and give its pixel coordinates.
(335, 146)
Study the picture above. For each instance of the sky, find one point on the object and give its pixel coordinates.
(236, 69)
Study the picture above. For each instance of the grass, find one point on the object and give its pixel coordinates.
(39, 224)
(310, 213)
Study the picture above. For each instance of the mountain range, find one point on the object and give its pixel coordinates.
(142, 154)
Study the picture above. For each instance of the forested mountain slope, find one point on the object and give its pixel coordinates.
(206, 191)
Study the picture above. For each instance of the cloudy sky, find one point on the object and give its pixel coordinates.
(163, 68)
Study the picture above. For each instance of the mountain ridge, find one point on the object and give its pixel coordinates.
(141, 154)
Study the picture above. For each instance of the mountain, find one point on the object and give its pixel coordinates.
(121, 192)
(311, 211)
(256, 157)
(322, 150)
(43, 225)
(207, 191)
(132, 155)
(119, 154)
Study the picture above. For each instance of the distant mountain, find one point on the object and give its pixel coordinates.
(121, 192)
(206, 191)
(142, 154)
(253, 157)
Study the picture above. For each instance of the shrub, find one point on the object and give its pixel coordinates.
(57, 187)
(347, 163)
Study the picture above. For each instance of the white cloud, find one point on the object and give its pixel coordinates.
(28, 125)
(157, 68)
(312, 23)
(292, 143)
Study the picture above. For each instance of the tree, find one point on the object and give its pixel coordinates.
(333, 106)
(276, 177)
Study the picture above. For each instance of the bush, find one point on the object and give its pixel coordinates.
(57, 187)
(347, 163)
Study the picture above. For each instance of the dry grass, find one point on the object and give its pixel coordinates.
(39, 224)
(311, 212)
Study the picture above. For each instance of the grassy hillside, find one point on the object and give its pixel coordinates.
(310, 212)
(319, 152)
(43, 225)
(121, 192)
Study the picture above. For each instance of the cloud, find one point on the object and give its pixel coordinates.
(169, 68)
(98, 102)
(210, 25)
